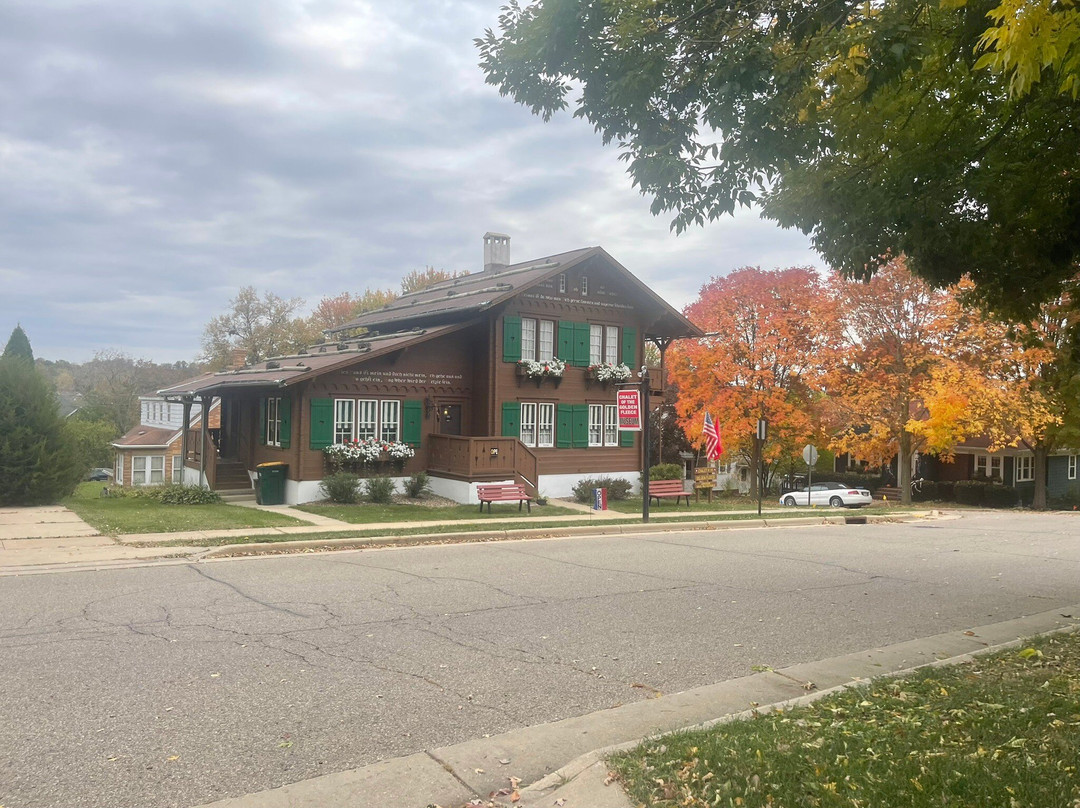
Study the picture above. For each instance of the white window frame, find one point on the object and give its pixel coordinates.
(596, 344)
(1028, 474)
(596, 425)
(527, 428)
(273, 422)
(177, 469)
(148, 470)
(611, 344)
(584, 285)
(562, 283)
(611, 425)
(367, 418)
(989, 466)
(1072, 467)
(545, 426)
(390, 420)
(118, 469)
(344, 420)
(545, 340)
(528, 338)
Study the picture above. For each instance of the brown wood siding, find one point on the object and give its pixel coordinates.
(606, 304)
(440, 371)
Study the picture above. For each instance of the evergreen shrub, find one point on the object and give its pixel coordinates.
(969, 492)
(617, 488)
(417, 485)
(341, 487)
(1000, 496)
(39, 461)
(379, 490)
(665, 471)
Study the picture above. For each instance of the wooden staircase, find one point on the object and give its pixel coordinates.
(232, 482)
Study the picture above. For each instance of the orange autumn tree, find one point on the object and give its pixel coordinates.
(1022, 381)
(769, 335)
(898, 333)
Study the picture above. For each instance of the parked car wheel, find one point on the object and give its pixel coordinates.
(836, 502)
(789, 501)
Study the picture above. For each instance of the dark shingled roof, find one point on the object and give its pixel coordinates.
(281, 371)
(469, 296)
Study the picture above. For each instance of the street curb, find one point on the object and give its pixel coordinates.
(564, 759)
(593, 765)
(554, 532)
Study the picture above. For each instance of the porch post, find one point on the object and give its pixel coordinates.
(202, 440)
(184, 437)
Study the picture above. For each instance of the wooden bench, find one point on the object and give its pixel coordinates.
(504, 493)
(666, 489)
(704, 481)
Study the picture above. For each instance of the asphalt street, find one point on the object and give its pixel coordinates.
(178, 685)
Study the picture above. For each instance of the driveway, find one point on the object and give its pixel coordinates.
(178, 685)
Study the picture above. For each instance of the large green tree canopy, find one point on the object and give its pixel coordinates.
(866, 125)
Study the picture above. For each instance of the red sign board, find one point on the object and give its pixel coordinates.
(629, 402)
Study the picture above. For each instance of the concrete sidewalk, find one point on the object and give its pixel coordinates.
(564, 760)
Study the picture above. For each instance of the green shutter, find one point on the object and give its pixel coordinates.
(626, 437)
(566, 342)
(581, 344)
(581, 426)
(511, 419)
(285, 417)
(262, 421)
(322, 422)
(511, 339)
(412, 415)
(564, 426)
(629, 347)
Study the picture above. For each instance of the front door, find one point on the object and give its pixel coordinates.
(450, 419)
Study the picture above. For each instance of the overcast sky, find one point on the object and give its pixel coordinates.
(157, 155)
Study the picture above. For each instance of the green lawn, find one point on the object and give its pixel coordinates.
(370, 513)
(1001, 731)
(113, 515)
(719, 503)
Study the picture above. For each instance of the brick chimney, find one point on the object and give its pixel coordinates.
(496, 252)
(237, 358)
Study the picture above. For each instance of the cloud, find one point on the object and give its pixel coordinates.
(157, 156)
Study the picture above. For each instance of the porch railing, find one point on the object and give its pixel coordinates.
(484, 458)
(195, 443)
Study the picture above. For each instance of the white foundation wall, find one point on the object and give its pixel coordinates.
(562, 485)
(551, 485)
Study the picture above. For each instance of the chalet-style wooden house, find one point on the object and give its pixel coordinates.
(507, 374)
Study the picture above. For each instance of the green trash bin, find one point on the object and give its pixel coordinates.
(270, 489)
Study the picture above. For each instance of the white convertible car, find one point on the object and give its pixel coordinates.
(834, 494)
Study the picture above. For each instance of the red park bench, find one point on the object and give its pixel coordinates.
(666, 489)
(505, 493)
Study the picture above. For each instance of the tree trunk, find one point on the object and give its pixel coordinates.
(1042, 455)
(903, 467)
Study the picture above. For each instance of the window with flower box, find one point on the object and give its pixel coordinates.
(537, 339)
(390, 421)
(344, 421)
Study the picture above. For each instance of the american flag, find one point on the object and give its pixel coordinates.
(714, 447)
